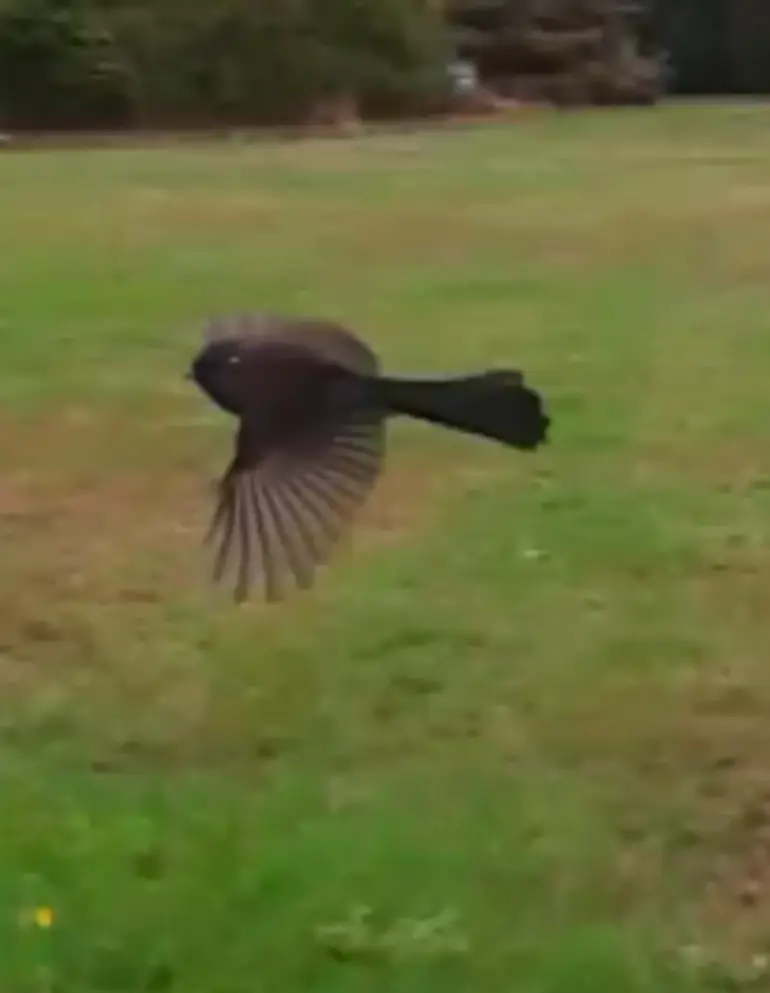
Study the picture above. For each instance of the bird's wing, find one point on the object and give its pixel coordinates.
(325, 339)
(280, 510)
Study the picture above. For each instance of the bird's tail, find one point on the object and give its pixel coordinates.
(497, 405)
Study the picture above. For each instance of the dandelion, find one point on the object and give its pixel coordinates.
(44, 917)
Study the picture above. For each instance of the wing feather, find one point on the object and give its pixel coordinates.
(279, 514)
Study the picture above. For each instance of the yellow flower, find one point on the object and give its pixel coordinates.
(44, 917)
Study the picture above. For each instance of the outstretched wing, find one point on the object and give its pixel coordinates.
(281, 510)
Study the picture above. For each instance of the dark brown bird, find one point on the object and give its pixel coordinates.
(312, 408)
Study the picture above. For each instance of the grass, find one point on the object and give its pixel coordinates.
(518, 738)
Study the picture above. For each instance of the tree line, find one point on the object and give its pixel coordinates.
(144, 63)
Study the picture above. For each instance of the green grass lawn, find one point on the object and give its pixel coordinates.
(517, 740)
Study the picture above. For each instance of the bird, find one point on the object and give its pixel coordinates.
(311, 408)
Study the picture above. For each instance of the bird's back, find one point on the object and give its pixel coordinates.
(327, 340)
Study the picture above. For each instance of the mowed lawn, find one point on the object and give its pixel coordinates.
(517, 740)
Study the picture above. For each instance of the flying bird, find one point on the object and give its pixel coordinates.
(311, 408)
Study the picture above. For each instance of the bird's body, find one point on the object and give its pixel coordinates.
(312, 409)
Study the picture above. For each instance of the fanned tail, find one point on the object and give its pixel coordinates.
(496, 405)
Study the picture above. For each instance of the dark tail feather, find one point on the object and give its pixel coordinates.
(496, 405)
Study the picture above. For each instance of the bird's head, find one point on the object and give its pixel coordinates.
(218, 370)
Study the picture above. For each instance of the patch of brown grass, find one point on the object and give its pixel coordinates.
(75, 528)
(698, 745)
(724, 738)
